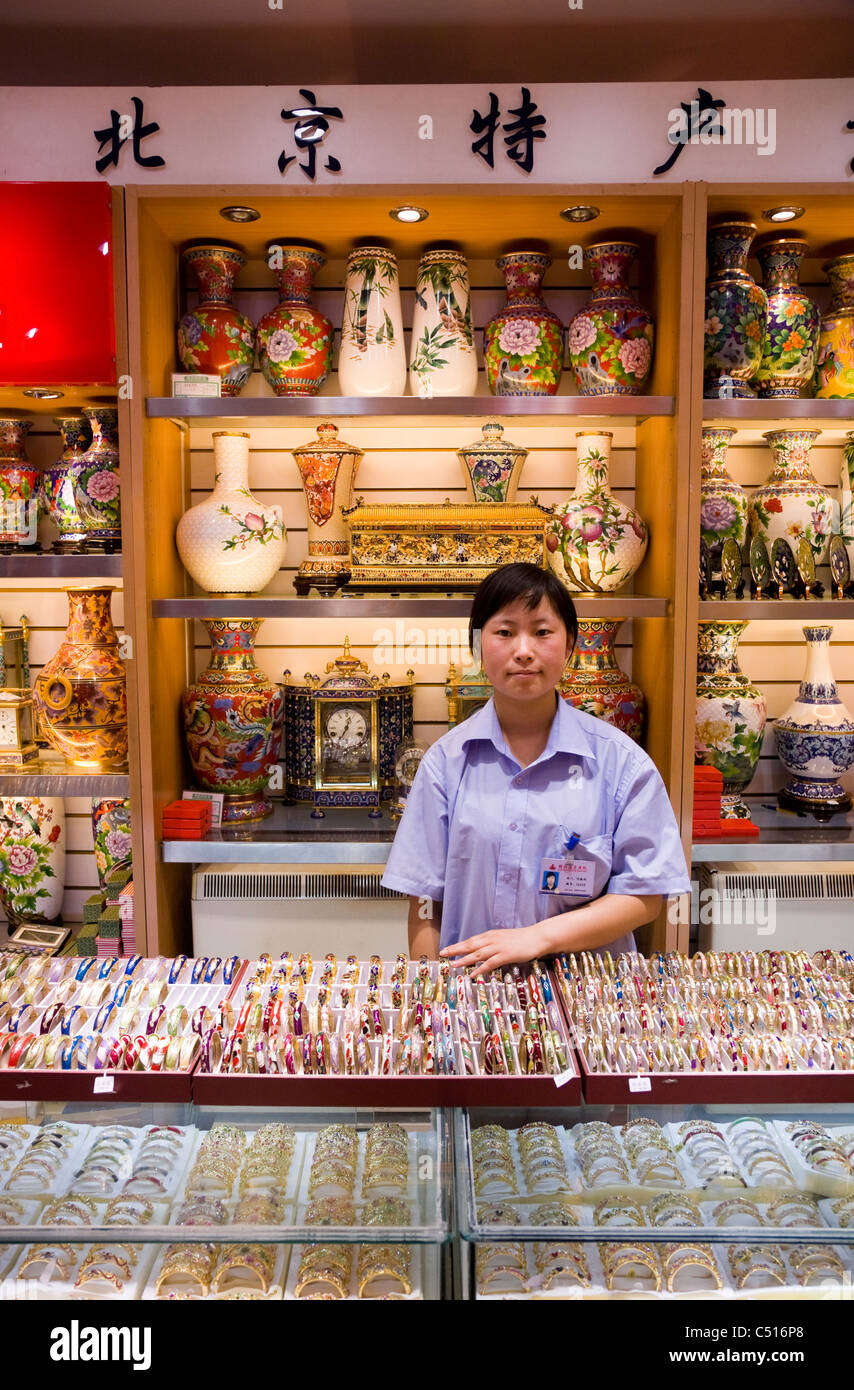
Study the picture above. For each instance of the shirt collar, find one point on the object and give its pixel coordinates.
(566, 734)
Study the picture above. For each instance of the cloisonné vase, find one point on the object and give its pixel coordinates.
(846, 481)
(736, 314)
(59, 484)
(723, 503)
(594, 682)
(793, 503)
(111, 835)
(730, 716)
(596, 542)
(215, 339)
(791, 329)
(231, 543)
(372, 357)
(815, 737)
(233, 721)
(610, 340)
(328, 469)
(442, 356)
(97, 490)
(295, 339)
(834, 378)
(32, 858)
(81, 692)
(19, 488)
(523, 343)
(492, 465)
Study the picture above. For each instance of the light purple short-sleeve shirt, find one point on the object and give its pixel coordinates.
(477, 825)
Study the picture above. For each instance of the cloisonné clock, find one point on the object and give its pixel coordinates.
(341, 733)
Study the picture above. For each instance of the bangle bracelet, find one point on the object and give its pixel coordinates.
(198, 970)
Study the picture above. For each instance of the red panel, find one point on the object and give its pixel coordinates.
(57, 316)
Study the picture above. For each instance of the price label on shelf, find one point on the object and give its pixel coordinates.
(564, 1076)
(640, 1083)
(104, 1085)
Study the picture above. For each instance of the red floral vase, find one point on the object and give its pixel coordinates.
(215, 338)
(233, 721)
(594, 682)
(295, 339)
(610, 340)
(19, 488)
(523, 343)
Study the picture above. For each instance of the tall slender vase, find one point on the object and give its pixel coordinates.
(215, 339)
(442, 356)
(492, 465)
(596, 542)
(730, 715)
(295, 339)
(815, 737)
(19, 488)
(372, 358)
(791, 332)
(233, 721)
(610, 340)
(81, 692)
(835, 372)
(594, 682)
(523, 343)
(231, 543)
(793, 503)
(97, 489)
(723, 503)
(846, 480)
(111, 835)
(59, 492)
(736, 314)
(328, 469)
(32, 858)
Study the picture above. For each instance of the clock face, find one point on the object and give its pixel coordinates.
(8, 728)
(346, 727)
(346, 744)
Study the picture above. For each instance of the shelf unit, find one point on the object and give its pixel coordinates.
(162, 221)
(30, 574)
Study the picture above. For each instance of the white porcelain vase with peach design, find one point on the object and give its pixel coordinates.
(232, 543)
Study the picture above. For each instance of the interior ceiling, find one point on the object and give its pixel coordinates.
(212, 42)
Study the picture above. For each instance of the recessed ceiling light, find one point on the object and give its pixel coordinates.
(238, 214)
(787, 213)
(409, 213)
(43, 393)
(581, 212)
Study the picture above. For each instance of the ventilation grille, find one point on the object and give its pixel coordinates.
(316, 887)
(805, 887)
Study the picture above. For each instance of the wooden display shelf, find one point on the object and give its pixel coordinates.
(381, 1092)
(369, 606)
(53, 778)
(770, 412)
(717, 1088)
(269, 411)
(799, 610)
(39, 564)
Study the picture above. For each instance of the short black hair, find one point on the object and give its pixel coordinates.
(508, 584)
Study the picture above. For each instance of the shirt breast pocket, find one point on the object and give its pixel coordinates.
(597, 851)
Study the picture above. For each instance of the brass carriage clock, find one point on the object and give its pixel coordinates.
(17, 726)
(466, 691)
(341, 733)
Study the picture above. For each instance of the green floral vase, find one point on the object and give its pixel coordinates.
(834, 378)
(730, 717)
(736, 313)
(723, 503)
(610, 340)
(32, 858)
(793, 503)
(523, 343)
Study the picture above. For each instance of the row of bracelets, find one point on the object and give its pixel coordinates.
(714, 1019)
(703, 1053)
(817, 1148)
(705, 965)
(325, 1271)
(31, 979)
(335, 1159)
(749, 1148)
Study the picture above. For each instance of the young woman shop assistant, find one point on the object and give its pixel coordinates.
(531, 827)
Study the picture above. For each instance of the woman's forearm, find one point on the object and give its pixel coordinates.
(424, 925)
(601, 922)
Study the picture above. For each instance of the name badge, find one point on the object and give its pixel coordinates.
(566, 877)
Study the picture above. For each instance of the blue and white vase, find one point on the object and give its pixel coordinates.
(815, 737)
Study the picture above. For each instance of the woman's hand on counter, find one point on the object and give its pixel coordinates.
(492, 949)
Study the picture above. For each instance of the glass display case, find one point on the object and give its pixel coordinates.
(633, 1201)
(115, 1201)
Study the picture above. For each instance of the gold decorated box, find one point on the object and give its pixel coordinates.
(450, 545)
